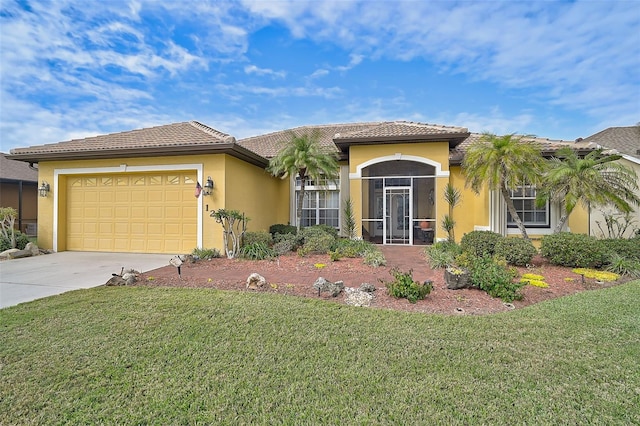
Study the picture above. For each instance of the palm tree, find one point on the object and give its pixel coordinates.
(503, 163)
(595, 179)
(304, 157)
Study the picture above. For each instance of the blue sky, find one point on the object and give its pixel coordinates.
(71, 69)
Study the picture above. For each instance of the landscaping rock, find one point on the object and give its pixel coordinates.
(255, 281)
(324, 285)
(17, 254)
(369, 288)
(126, 277)
(7, 253)
(358, 297)
(33, 248)
(457, 279)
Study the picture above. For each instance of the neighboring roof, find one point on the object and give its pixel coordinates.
(547, 146)
(189, 137)
(625, 140)
(16, 170)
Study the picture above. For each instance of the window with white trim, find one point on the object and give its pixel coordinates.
(321, 204)
(524, 200)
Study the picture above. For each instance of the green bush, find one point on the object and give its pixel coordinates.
(205, 253)
(495, 278)
(316, 239)
(624, 266)
(280, 228)
(573, 250)
(629, 248)
(257, 237)
(326, 228)
(284, 243)
(442, 254)
(480, 243)
(374, 257)
(352, 248)
(516, 251)
(257, 251)
(403, 286)
(21, 242)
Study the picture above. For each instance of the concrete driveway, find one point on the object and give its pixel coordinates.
(30, 278)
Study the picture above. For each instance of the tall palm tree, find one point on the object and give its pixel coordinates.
(595, 179)
(503, 163)
(304, 157)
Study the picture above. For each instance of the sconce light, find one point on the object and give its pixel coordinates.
(208, 186)
(44, 189)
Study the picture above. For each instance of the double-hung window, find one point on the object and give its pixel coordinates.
(321, 203)
(524, 200)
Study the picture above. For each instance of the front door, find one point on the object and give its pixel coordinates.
(397, 220)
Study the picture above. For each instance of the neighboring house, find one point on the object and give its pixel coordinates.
(626, 141)
(19, 189)
(134, 191)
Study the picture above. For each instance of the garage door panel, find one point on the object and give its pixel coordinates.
(148, 213)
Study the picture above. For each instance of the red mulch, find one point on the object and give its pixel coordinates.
(294, 275)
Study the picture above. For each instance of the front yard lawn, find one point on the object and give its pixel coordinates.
(140, 355)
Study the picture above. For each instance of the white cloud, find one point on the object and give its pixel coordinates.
(252, 69)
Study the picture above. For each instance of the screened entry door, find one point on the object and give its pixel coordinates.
(397, 229)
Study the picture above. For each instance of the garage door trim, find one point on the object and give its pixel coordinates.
(123, 168)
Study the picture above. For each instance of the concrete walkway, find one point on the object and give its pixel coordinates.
(31, 278)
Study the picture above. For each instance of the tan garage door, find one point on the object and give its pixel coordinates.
(140, 213)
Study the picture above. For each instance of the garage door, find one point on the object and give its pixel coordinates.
(140, 213)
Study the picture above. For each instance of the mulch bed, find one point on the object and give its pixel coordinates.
(294, 275)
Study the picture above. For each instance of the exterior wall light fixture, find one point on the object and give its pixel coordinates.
(44, 189)
(208, 186)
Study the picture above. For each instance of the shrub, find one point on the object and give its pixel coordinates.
(205, 253)
(21, 241)
(629, 248)
(257, 237)
(285, 243)
(352, 248)
(280, 228)
(257, 251)
(516, 251)
(316, 240)
(374, 257)
(480, 243)
(624, 266)
(403, 286)
(442, 254)
(573, 250)
(326, 228)
(496, 279)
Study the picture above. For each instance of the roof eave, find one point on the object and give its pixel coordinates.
(232, 149)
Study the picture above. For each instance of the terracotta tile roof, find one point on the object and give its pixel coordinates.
(170, 135)
(400, 130)
(268, 145)
(625, 140)
(16, 170)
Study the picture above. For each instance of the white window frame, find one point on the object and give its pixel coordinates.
(536, 209)
(312, 189)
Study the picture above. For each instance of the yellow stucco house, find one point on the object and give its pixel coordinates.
(135, 191)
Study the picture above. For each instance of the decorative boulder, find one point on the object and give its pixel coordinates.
(457, 278)
(255, 281)
(369, 288)
(322, 285)
(33, 248)
(358, 297)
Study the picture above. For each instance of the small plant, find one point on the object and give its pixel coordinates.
(352, 248)
(280, 228)
(317, 239)
(320, 265)
(595, 274)
(453, 197)
(205, 253)
(374, 258)
(334, 255)
(284, 243)
(349, 218)
(257, 251)
(624, 266)
(534, 280)
(496, 279)
(442, 254)
(404, 286)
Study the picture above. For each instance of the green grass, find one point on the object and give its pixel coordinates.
(140, 355)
